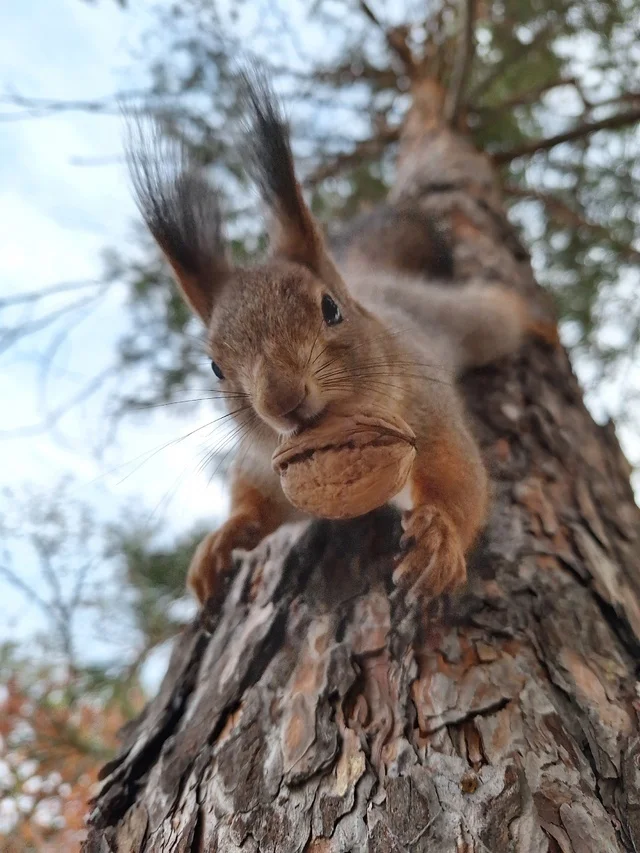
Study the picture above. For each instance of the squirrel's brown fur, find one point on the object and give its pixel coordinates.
(402, 341)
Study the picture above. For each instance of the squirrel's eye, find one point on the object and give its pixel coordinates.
(330, 311)
(217, 370)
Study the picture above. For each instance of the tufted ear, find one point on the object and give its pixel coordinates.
(182, 213)
(295, 234)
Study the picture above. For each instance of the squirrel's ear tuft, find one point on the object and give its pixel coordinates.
(295, 235)
(181, 210)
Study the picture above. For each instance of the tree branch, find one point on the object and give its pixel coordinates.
(42, 107)
(531, 96)
(52, 290)
(463, 61)
(623, 98)
(393, 37)
(611, 123)
(85, 392)
(12, 334)
(569, 216)
(29, 592)
(367, 149)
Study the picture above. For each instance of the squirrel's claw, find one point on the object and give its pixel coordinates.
(432, 558)
(212, 557)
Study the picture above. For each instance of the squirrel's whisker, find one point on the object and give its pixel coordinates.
(384, 334)
(377, 389)
(226, 439)
(382, 362)
(150, 454)
(315, 341)
(237, 439)
(375, 375)
(242, 442)
(230, 396)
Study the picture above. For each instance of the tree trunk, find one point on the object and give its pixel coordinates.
(309, 710)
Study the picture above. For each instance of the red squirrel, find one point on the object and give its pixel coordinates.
(296, 334)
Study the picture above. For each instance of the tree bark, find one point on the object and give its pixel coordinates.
(309, 710)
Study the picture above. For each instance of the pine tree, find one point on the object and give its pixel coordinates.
(308, 709)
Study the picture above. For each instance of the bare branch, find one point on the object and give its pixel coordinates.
(48, 361)
(42, 107)
(623, 98)
(369, 13)
(60, 611)
(85, 392)
(394, 37)
(532, 96)
(582, 130)
(81, 578)
(53, 290)
(463, 60)
(12, 334)
(28, 591)
(339, 75)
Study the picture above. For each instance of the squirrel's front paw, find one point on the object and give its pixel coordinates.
(212, 557)
(432, 559)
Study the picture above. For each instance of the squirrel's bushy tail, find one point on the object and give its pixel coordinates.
(470, 325)
(478, 323)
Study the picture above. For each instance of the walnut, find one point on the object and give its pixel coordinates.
(347, 465)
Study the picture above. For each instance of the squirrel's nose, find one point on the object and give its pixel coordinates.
(281, 399)
(291, 409)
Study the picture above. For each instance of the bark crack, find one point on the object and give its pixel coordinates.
(487, 711)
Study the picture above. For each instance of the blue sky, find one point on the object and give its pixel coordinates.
(57, 215)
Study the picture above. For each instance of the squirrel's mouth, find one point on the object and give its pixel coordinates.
(306, 422)
(312, 420)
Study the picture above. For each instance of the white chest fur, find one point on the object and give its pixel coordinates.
(403, 499)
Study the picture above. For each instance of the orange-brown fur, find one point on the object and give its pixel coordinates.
(402, 342)
(254, 514)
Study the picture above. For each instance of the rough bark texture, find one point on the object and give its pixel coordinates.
(309, 710)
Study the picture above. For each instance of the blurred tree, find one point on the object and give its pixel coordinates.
(107, 598)
(55, 731)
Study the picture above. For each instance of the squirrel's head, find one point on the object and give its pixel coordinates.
(285, 333)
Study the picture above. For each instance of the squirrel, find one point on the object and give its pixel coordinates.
(295, 335)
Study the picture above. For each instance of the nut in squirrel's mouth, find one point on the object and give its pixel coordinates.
(350, 463)
(331, 433)
(292, 456)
